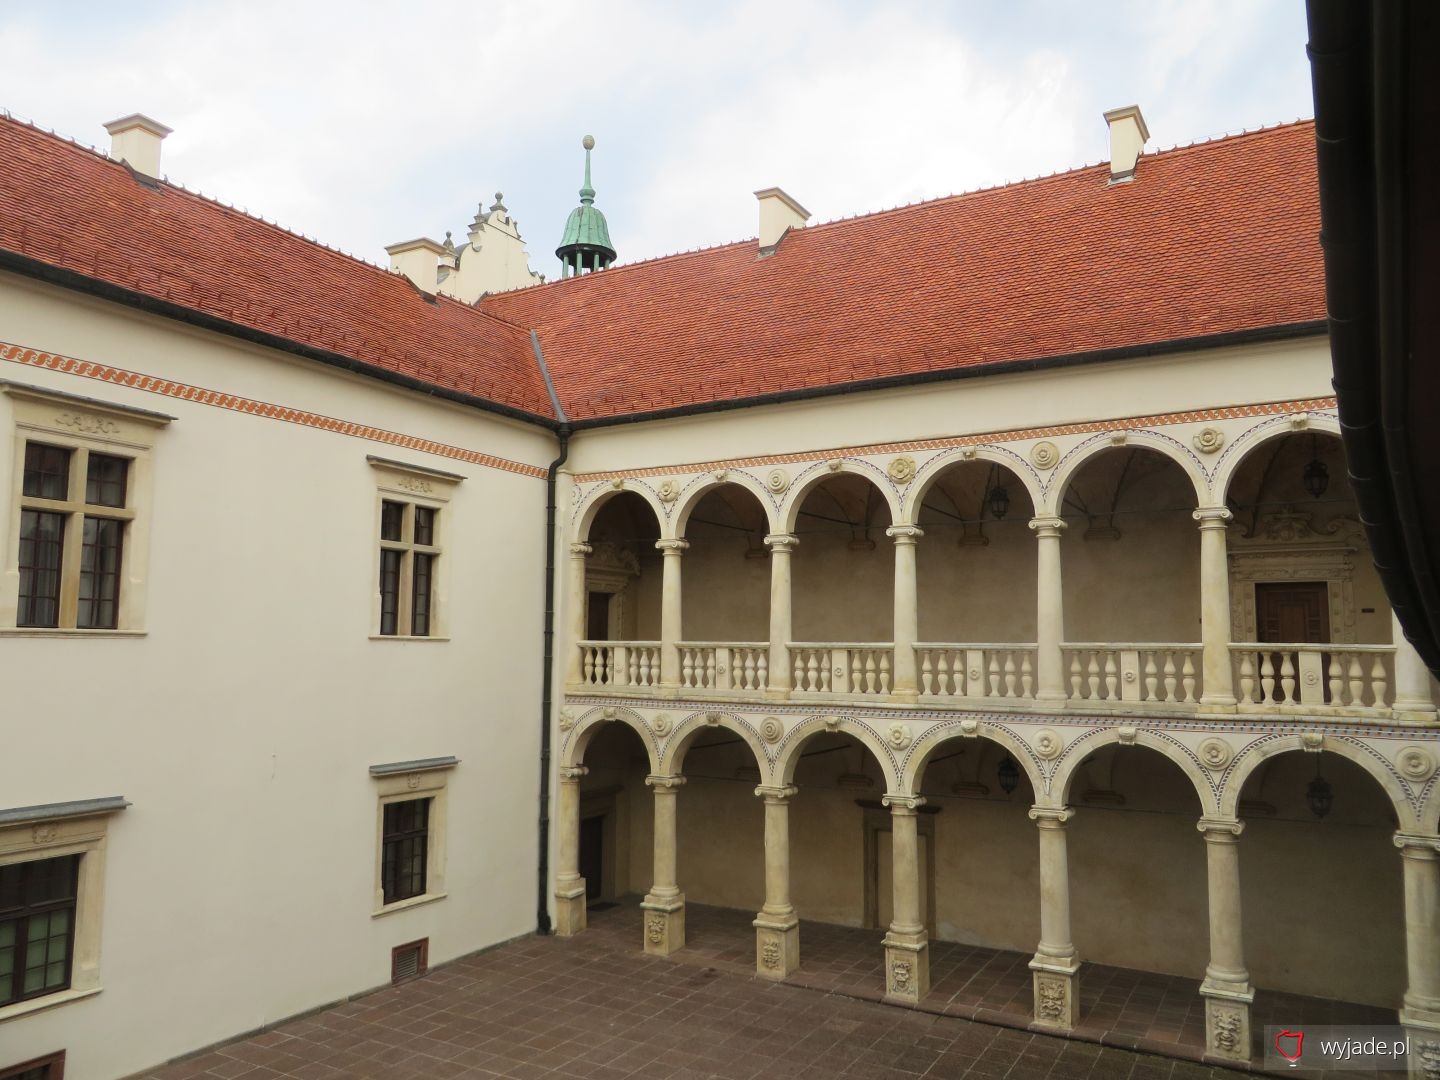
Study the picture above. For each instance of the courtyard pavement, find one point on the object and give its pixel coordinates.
(595, 1006)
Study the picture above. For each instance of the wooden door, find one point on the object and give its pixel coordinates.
(1293, 612)
(597, 616)
(592, 855)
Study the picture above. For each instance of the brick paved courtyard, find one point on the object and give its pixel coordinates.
(595, 1006)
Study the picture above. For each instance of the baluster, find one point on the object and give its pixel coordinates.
(1075, 675)
(762, 672)
(1027, 675)
(1378, 682)
(884, 671)
(1152, 673)
(747, 681)
(687, 667)
(1112, 676)
(1335, 679)
(825, 664)
(1357, 681)
(1010, 673)
(1247, 677)
(1092, 674)
(1287, 678)
(994, 673)
(927, 672)
(1169, 673)
(1267, 676)
(1187, 678)
(812, 677)
(871, 682)
(957, 673)
(587, 656)
(797, 674)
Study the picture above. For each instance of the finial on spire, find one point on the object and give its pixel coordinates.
(587, 192)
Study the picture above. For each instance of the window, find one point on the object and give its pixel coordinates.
(49, 1067)
(410, 861)
(51, 884)
(410, 569)
(78, 542)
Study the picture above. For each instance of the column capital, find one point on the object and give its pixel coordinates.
(903, 803)
(1220, 830)
(672, 547)
(580, 550)
(904, 534)
(1047, 527)
(1051, 817)
(1212, 517)
(772, 793)
(573, 773)
(1417, 846)
(781, 541)
(664, 783)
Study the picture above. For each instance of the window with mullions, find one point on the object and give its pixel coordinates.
(49, 1067)
(37, 926)
(73, 517)
(408, 552)
(404, 849)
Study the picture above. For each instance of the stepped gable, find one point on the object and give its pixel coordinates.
(1215, 238)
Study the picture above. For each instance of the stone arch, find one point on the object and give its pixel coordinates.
(577, 739)
(591, 502)
(916, 759)
(677, 744)
(697, 487)
(998, 455)
(811, 476)
(1430, 819)
(787, 754)
(1083, 747)
(1236, 454)
(1250, 757)
(1077, 457)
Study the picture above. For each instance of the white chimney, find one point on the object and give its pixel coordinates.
(136, 139)
(778, 213)
(1128, 136)
(419, 260)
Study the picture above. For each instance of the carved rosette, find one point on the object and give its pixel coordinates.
(1415, 764)
(1048, 744)
(777, 482)
(771, 729)
(1045, 455)
(661, 724)
(1209, 440)
(1216, 753)
(898, 735)
(901, 470)
(669, 490)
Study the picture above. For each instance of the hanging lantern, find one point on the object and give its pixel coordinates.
(1008, 775)
(999, 502)
(1317, 473)
(1319, 795)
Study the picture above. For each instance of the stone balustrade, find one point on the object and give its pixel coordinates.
(842, 669)
(1155, 673)
(1349, 677)
(724, 665)
(976, 672)
(615, 664)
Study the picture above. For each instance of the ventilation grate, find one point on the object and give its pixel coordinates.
(409, 961)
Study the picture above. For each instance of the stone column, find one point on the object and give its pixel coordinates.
(777, 929)
(664, 904)
(1412, 679)
(670, 610)
(1217, 684)
(569, 885)
(907, 947)
(780, 545)
(576, 599)
(1226, 989)
(1420, 1012)
(907, 617)
(1056, 964)
(1049, 611)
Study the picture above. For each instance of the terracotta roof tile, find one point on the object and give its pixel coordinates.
(72, 208)
(1209, 239)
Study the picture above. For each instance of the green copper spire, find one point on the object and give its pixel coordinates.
(585, 246)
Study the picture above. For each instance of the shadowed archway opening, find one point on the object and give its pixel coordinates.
(622, 595)
(616, 817)
(843, 569)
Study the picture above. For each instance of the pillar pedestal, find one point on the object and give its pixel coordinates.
(1056, 965)
(907, 946)
(664, 904)
(1226, 989)
(1227, 1022)
(1057, 992)
(777, 928)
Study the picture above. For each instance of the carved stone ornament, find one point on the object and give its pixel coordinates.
(1119, 438)
(770, 954)
(777, 482)
(412, 781)
(902, 470)
(1299, 421)
(1427, 1051)
(567, 719)
(416, 484)
(900, 975)
(720, 474)
(1209, 440)
(970, 728)
(1415, 764)
(661, 724)
(898, 735)
(1048, 744)
(1126, 734)
(1216, 753)
(834, 464)
(44, 833)
(714, 718)
(655, 928)
(610, 712)
(771, 729)
(1227, 1024)
(669, 490)
(1045, 455)
(617, 483)
(969, 453)
(1313, 741)
(1051, 994)
(832, 723)
(87, 423)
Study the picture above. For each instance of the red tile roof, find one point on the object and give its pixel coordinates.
(1210, 239)
(71, 208)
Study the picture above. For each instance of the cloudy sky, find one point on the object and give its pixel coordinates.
(372, 121)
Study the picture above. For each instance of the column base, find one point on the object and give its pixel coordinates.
(570, 910)
(907, 966)
(1424, 1036)
(664, 924)
(777, 945)
(1227, 1021)
(1057, 992)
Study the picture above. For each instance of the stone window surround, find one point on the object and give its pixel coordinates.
(81, 423)
(415, 485)
(401, 781)
(53, 830)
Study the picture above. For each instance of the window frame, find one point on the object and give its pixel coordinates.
(410, 781)
(35, 833)
(414, 488)
(54, 1064)
(80, 426)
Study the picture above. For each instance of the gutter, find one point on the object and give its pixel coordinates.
(69, 279)
(547, 674)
